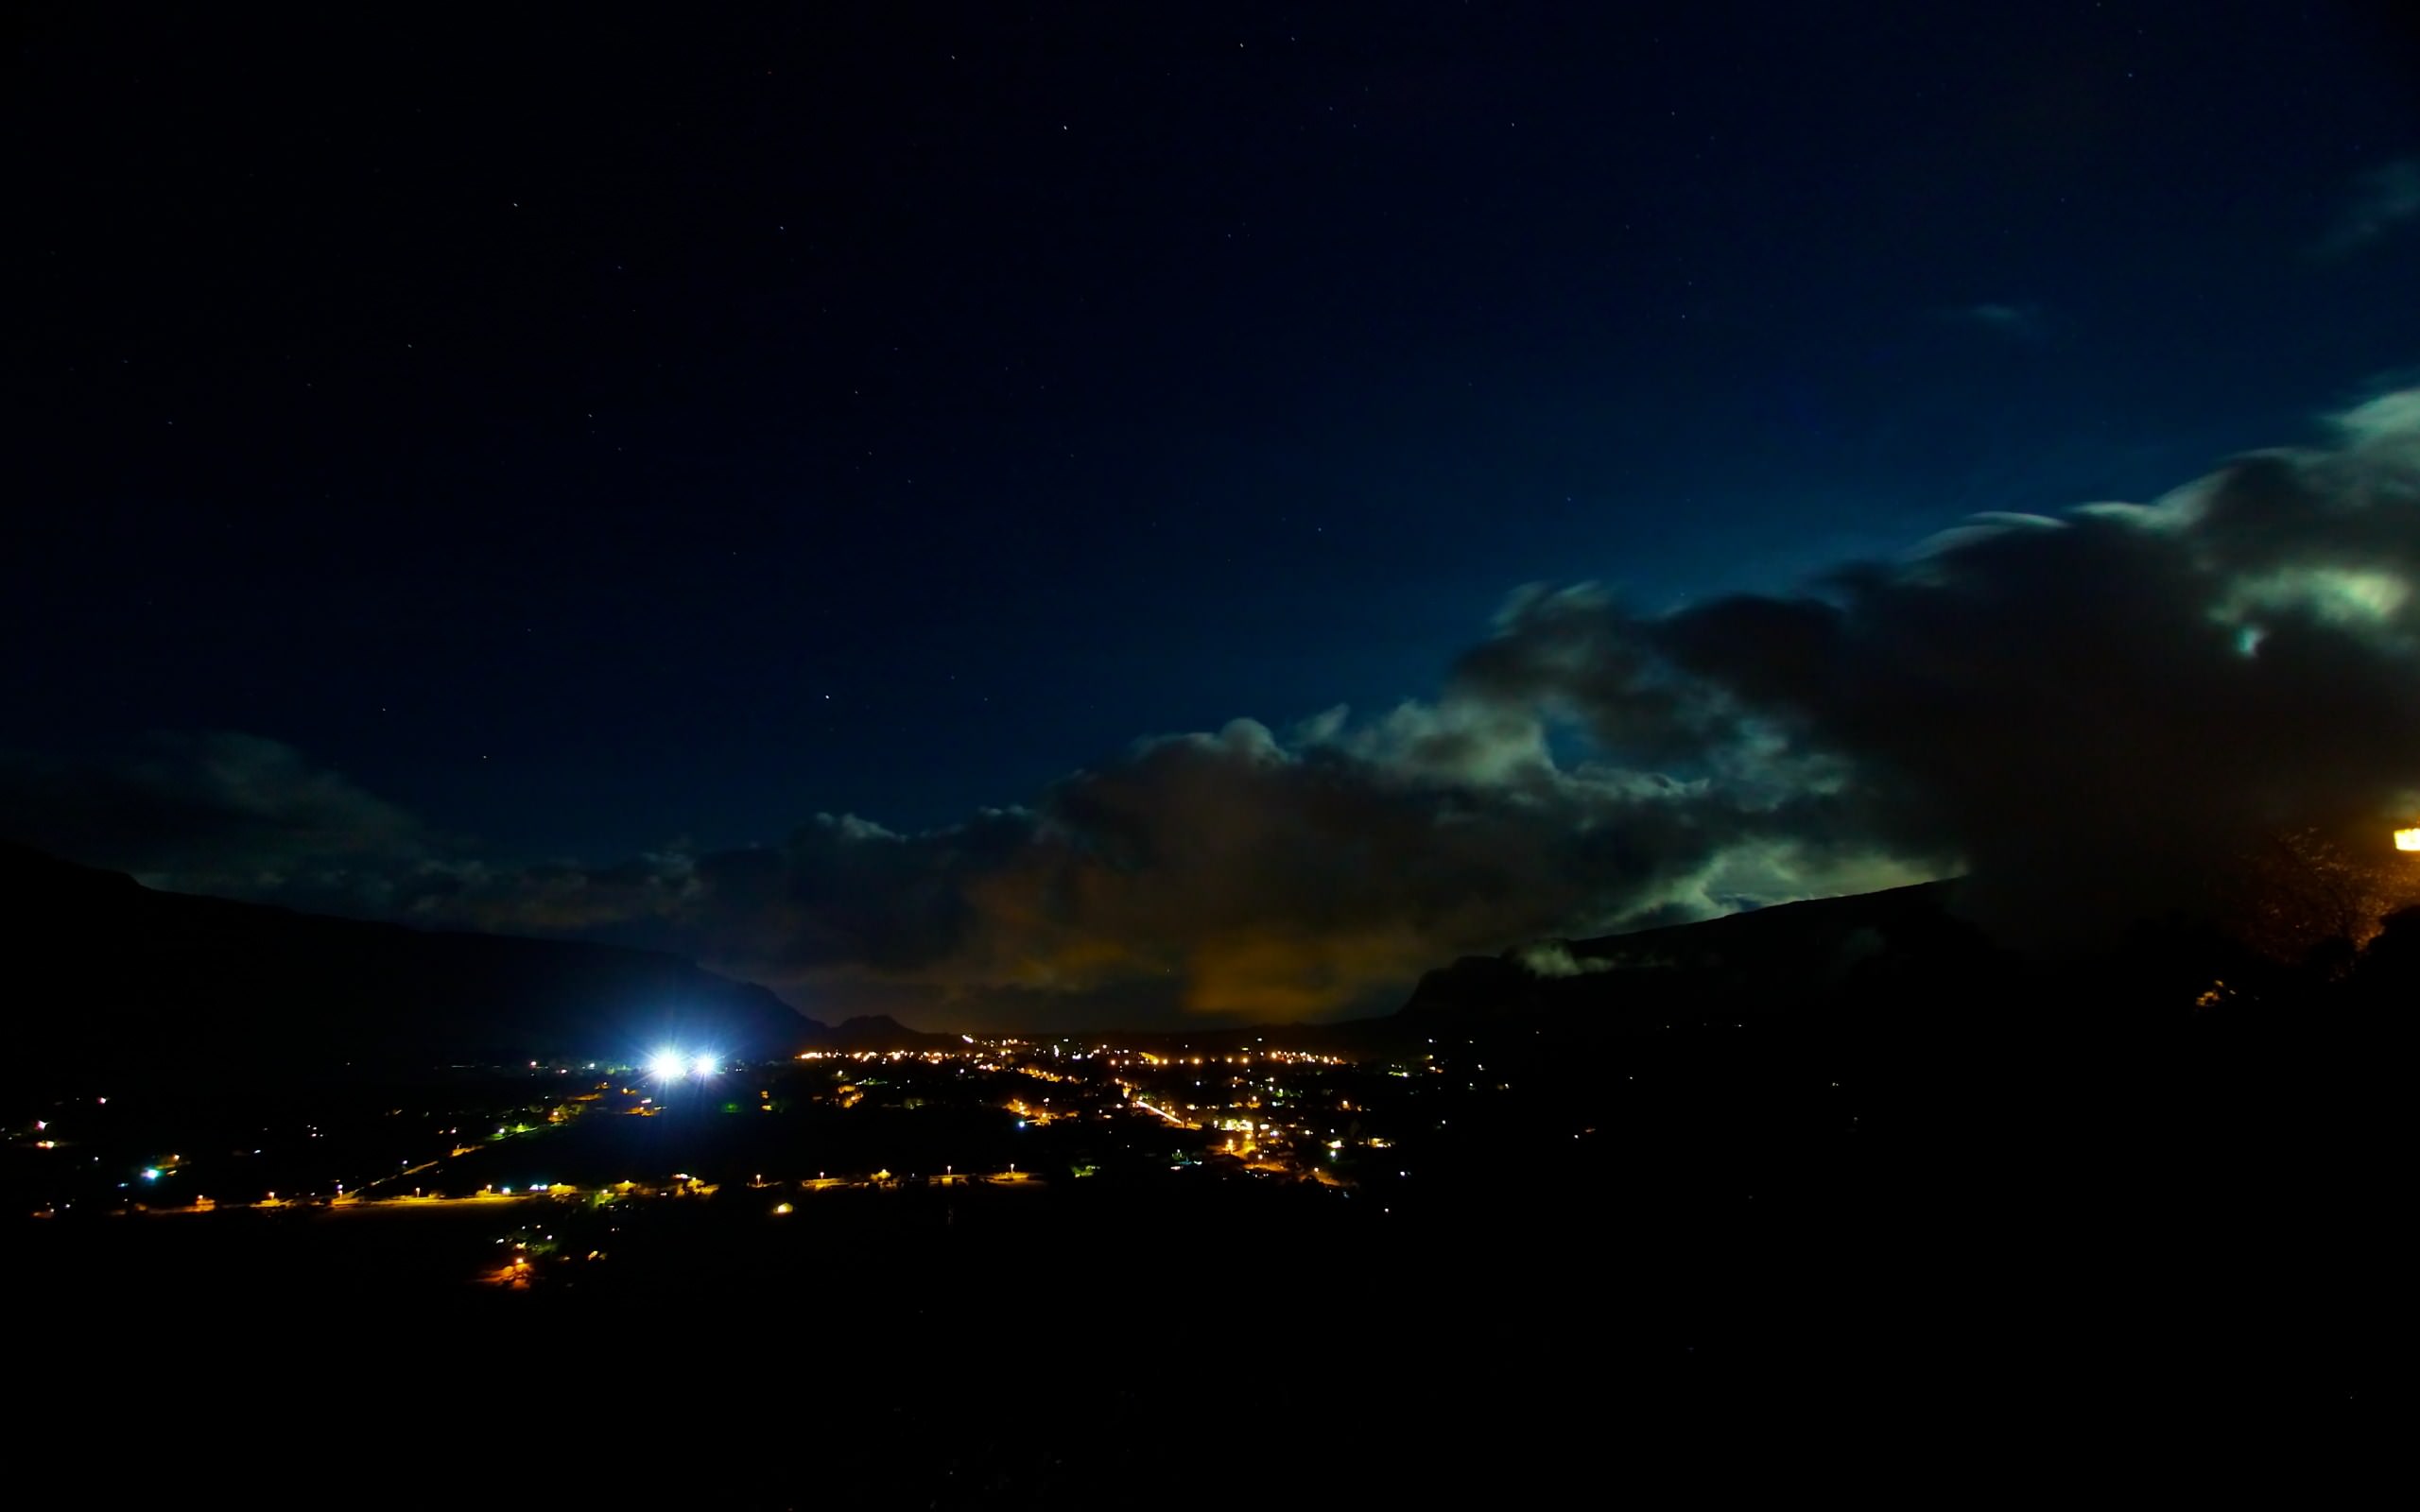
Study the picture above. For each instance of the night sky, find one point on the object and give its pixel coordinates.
(1039, 515)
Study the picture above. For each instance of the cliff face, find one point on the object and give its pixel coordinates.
(109, 971)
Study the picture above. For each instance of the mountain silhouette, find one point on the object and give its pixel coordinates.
(114, 975)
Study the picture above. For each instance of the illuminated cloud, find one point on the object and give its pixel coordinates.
(2068, 705)
(1553, 958)
(2092, 710)
(1244, 875)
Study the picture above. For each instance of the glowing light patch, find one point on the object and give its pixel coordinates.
(702, 1065)
(2407, 839)
(2340, 596)
(665, 1065)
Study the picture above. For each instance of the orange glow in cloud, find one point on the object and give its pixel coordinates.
(1286, 974)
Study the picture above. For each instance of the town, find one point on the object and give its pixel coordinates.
(681, 1123)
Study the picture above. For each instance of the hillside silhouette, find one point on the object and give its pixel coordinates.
(113, 974)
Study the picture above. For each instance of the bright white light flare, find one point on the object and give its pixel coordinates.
(666, 1065)
(704, 1065)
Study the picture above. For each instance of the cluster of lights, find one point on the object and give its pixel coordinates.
(669, 1064)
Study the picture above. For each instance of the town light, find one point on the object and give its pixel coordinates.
(2407, 839)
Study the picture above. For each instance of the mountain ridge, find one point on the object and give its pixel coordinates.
(120, 971)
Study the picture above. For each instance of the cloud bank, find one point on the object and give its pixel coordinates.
(215, 812)
(2091, 712)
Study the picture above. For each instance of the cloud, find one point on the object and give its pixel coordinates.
(2380, 202)
(1240, 875)
(1553, 958)
(556, 896)
(214, 812)
(2026, 323)
(2092, 710)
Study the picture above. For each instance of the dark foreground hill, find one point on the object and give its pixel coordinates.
(106, 972)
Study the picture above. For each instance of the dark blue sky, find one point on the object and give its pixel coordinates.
(589, 434)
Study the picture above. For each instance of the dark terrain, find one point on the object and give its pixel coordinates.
(114, 974)
(1816, 1198)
